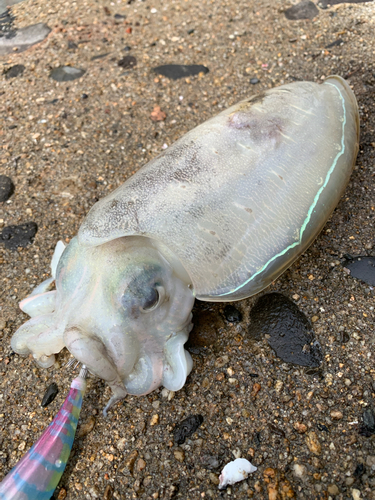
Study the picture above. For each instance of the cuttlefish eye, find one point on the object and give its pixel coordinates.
(143, 293)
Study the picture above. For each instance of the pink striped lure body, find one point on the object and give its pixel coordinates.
(39, 471)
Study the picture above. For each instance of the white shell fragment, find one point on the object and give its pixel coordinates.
(235, 471)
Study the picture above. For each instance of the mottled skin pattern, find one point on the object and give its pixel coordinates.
(218, 216)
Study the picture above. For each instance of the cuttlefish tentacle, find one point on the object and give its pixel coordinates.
(92, 353)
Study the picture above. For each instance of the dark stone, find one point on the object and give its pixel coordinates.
(257, 439)
(322, 428)
(359, 471)
(14, 71)
(253, 375)
(23, 38)
(50, 394)
(99, 56)
(127, 62)
(176, 71)
(339, 41)
(186, 428)
(84, 96)
(368, 426)
(18, 236)
(210, 461)
(72, 45)
(6, 188)
(287, 330)
(303, 10)
(191, 31)
(254, 81)
(120, 16)
(232, 314)
(362, 268)
(66, 73)
(324, 4)
(276, 430)
(127, 48)
(7, 24)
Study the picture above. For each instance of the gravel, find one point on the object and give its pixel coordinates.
(64, 152)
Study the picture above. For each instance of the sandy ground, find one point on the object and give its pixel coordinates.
(65, 145)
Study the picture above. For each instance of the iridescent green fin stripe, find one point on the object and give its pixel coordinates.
(312, 207)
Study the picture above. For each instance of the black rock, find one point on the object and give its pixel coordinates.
(99, 56)
(359, 471)
(186, 428)
(362, 268)
(127, 48)
(7, 23)
(232, 314)
(66, 73)
(84, 96)
(127, 62)
(210, 461)
(287, 330)
(368, 426)
(23, 38)
(303, 10)
(322, 427)
(339, 41)
(176, 71)
(254, 81)
(18, 236)
(72, 45)
(120, 16)
(14, 71)
(50, 394)
(6, 188)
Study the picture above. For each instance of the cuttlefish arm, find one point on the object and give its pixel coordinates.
(92, 351)
(41, 337)
(42, 299)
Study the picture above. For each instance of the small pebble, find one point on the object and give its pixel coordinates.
(130, 460)
(154, 420)
(232, 314)
(179, 454)
(336, 415)
(141, 464)
(50, 394)
(6, 188)
(62, 494)
(87, 426)
(300, 471)
(176, 71)
(66, 73)
(356, 494)
(18, 236)
(313, 443)
(254, 391)
(254, 81)
(302, 10)
(127, 62)
(24, 38)
(14, 71)
(333, 490)
(186, 428)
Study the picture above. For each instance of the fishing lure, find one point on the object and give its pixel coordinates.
(39, 471)
(217, 216)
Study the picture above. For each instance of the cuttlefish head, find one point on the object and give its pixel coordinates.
(126, 315)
